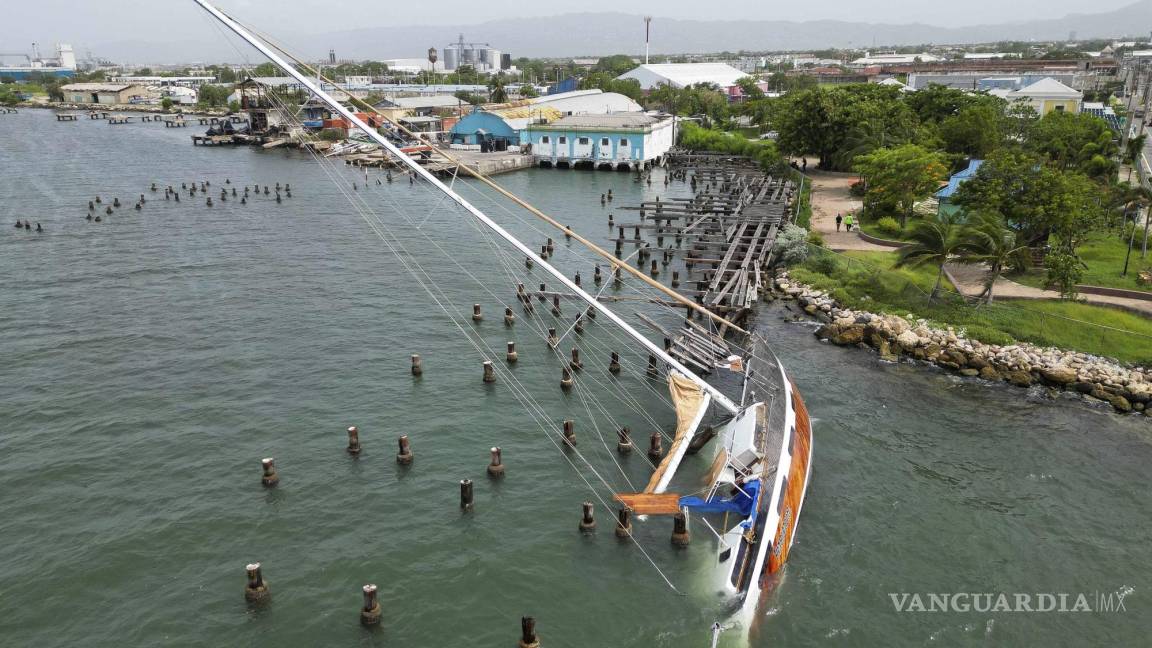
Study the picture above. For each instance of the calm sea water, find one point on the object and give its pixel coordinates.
(149, 362)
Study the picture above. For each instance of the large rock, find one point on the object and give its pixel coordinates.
(851, 335)
(969, 372)
(976, 362)
(908, 340)
(1020, 378)
(988, 373)
(1060, 375)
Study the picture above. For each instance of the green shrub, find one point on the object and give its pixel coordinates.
(825, 264)
(815, 238)
(1064, 272)
(889, 226)
(988, 335)
(331, 135)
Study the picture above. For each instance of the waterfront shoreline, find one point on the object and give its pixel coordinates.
(119, 108)
(1126, 389)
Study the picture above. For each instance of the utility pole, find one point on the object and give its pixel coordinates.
(647, 34)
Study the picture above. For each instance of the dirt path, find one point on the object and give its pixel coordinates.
(969, 280)
(830, 196)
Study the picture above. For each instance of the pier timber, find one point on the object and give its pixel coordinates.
(724, 233)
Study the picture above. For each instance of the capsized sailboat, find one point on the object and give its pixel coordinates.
(760, 474)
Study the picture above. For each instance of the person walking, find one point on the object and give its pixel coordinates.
(848, 222)
(838, 221)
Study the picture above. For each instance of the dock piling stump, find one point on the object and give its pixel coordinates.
(680, 537)
(587, 522)
(653, 370)
(270, 478)
(509, 318)
(512, 355)
(566, 381)
(655, 449)
(624, 444)
(353, 440)
(528, 633)
(417, 365)
(370, 612)
(569, 433)
(496, 467)
(256, 589)
(466, 501)
(576, 364)
(489, 372)
(476, 315)
(614, 365)
(624, 523)
(404, 456)
(552, 339)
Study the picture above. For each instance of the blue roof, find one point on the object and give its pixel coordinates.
(958, 178)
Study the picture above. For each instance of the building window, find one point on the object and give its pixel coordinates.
(583, 141)
(562, 140)
(544, 139)
(604, 141)
(623, 142)
(1059, 108)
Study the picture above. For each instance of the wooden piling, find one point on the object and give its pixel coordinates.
(476, 316)
(496, 467)
(596, 276)
(578, 327)
(614, 365)
(569, 433)
(512, 355)
(271, 477)
(404, 456)
(576, 279)
(566, 381)
(680, 537)
(556, 305)
(256, 589)
(370, 612)
(655, 269)
(624, 444)
(417, 365)
(624, 523)
(466, 501)
(528, 262)
(575, 363)
(675, 278)
(528, 637)
(353, 440)
(509, 318)
(653, 370)
(552, 339)
(655, 449)
(489, 372)
(587, 522)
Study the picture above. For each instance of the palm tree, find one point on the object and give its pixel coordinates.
(934, 241)
(988, 240)
(496, 86)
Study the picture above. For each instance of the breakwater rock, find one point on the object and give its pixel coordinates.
(1127, 389)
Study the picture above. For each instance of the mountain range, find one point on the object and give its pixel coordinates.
(593, 34)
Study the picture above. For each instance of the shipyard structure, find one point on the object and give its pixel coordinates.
(20, 66)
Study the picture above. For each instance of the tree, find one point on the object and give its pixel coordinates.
(615, 65)
(213, 96)
(749, 88)
(934, 242)
(1075, 141)
(265, 70)
(819, 121)
(496, 90)
(528, 91)
(900, 176)
(988, 240)
(974, 131)
(609, 83)
(166, 103)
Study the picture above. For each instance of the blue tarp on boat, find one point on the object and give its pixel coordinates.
(742, 502)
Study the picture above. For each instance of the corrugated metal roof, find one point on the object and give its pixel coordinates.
(1047, 87)
(613, 120)
(959, 178)
(684, 74)
(97, 87)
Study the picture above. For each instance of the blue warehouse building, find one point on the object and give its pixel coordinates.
(620, 141)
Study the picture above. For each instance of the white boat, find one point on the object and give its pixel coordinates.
(760, 474)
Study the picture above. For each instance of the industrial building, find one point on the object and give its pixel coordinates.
(479, 55)
(500, 127)
(682, 75)
(62, 65)
(109, 94)
(620, 141)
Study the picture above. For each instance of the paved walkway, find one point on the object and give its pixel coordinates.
(969, 280)
(830, 196)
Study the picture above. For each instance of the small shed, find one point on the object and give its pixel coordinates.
(109, 94)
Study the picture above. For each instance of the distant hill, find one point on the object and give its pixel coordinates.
(593, 34)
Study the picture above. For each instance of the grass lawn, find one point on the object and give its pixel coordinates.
(876, 287)
(1105, 260)
(872, 230)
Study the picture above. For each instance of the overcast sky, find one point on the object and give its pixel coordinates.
(88, 23)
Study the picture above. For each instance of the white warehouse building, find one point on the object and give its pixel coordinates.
(682, 75)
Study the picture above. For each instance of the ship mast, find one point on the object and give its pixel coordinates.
(423, 173)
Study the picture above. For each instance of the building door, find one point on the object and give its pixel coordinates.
(605, 148)
(624, 150)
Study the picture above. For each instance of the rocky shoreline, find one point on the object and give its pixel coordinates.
(119, 108)
(1126, 389)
